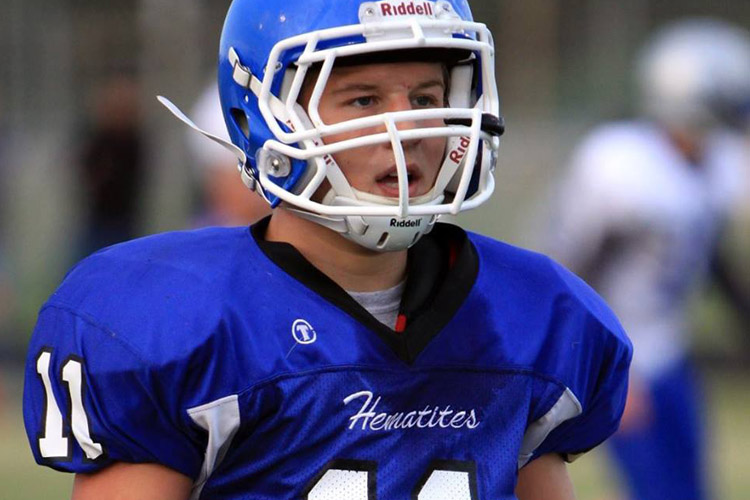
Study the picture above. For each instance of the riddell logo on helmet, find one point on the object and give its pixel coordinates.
(424, 8)
(457, 154)
(406, 223)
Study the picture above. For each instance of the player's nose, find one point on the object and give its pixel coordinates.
(403, 102)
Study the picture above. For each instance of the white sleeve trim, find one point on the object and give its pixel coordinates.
(566, 407)
(221, 419)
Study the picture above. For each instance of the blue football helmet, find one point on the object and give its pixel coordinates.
(268, 48)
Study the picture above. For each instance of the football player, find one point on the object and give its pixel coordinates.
(640, 216)
(348, 347)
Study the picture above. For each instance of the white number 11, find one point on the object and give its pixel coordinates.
(53, 444)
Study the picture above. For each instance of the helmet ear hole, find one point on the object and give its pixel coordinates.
(240, 118)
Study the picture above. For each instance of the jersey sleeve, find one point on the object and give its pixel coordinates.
(603, 392)
(588, 360)
(90, 399)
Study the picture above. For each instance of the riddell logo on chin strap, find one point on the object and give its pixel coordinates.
(424, 8)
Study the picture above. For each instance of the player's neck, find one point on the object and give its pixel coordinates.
(351, 266)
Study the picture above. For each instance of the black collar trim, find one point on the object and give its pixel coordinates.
(434, 292)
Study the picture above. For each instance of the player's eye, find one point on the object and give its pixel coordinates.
(426, 101)
(364, 101)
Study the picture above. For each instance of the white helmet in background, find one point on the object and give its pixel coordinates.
(694, 75)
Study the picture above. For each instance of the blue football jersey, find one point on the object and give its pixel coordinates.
(235, 362)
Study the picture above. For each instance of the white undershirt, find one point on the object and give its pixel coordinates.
(382, 304)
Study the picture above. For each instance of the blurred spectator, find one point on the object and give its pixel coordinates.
(640, 216)
(226, 201)
(112, 166)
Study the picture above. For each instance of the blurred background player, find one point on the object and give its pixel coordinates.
(111, 165)
(640, 217)
(223, 200)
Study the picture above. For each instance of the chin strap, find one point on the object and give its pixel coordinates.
(247, 178)
(239, 153)
(378, 233)
(336, 224)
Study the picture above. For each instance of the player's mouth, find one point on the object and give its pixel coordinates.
(387, 182)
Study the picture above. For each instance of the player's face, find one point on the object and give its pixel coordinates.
(359, 91)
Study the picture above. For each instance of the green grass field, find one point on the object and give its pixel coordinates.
(21, 479)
